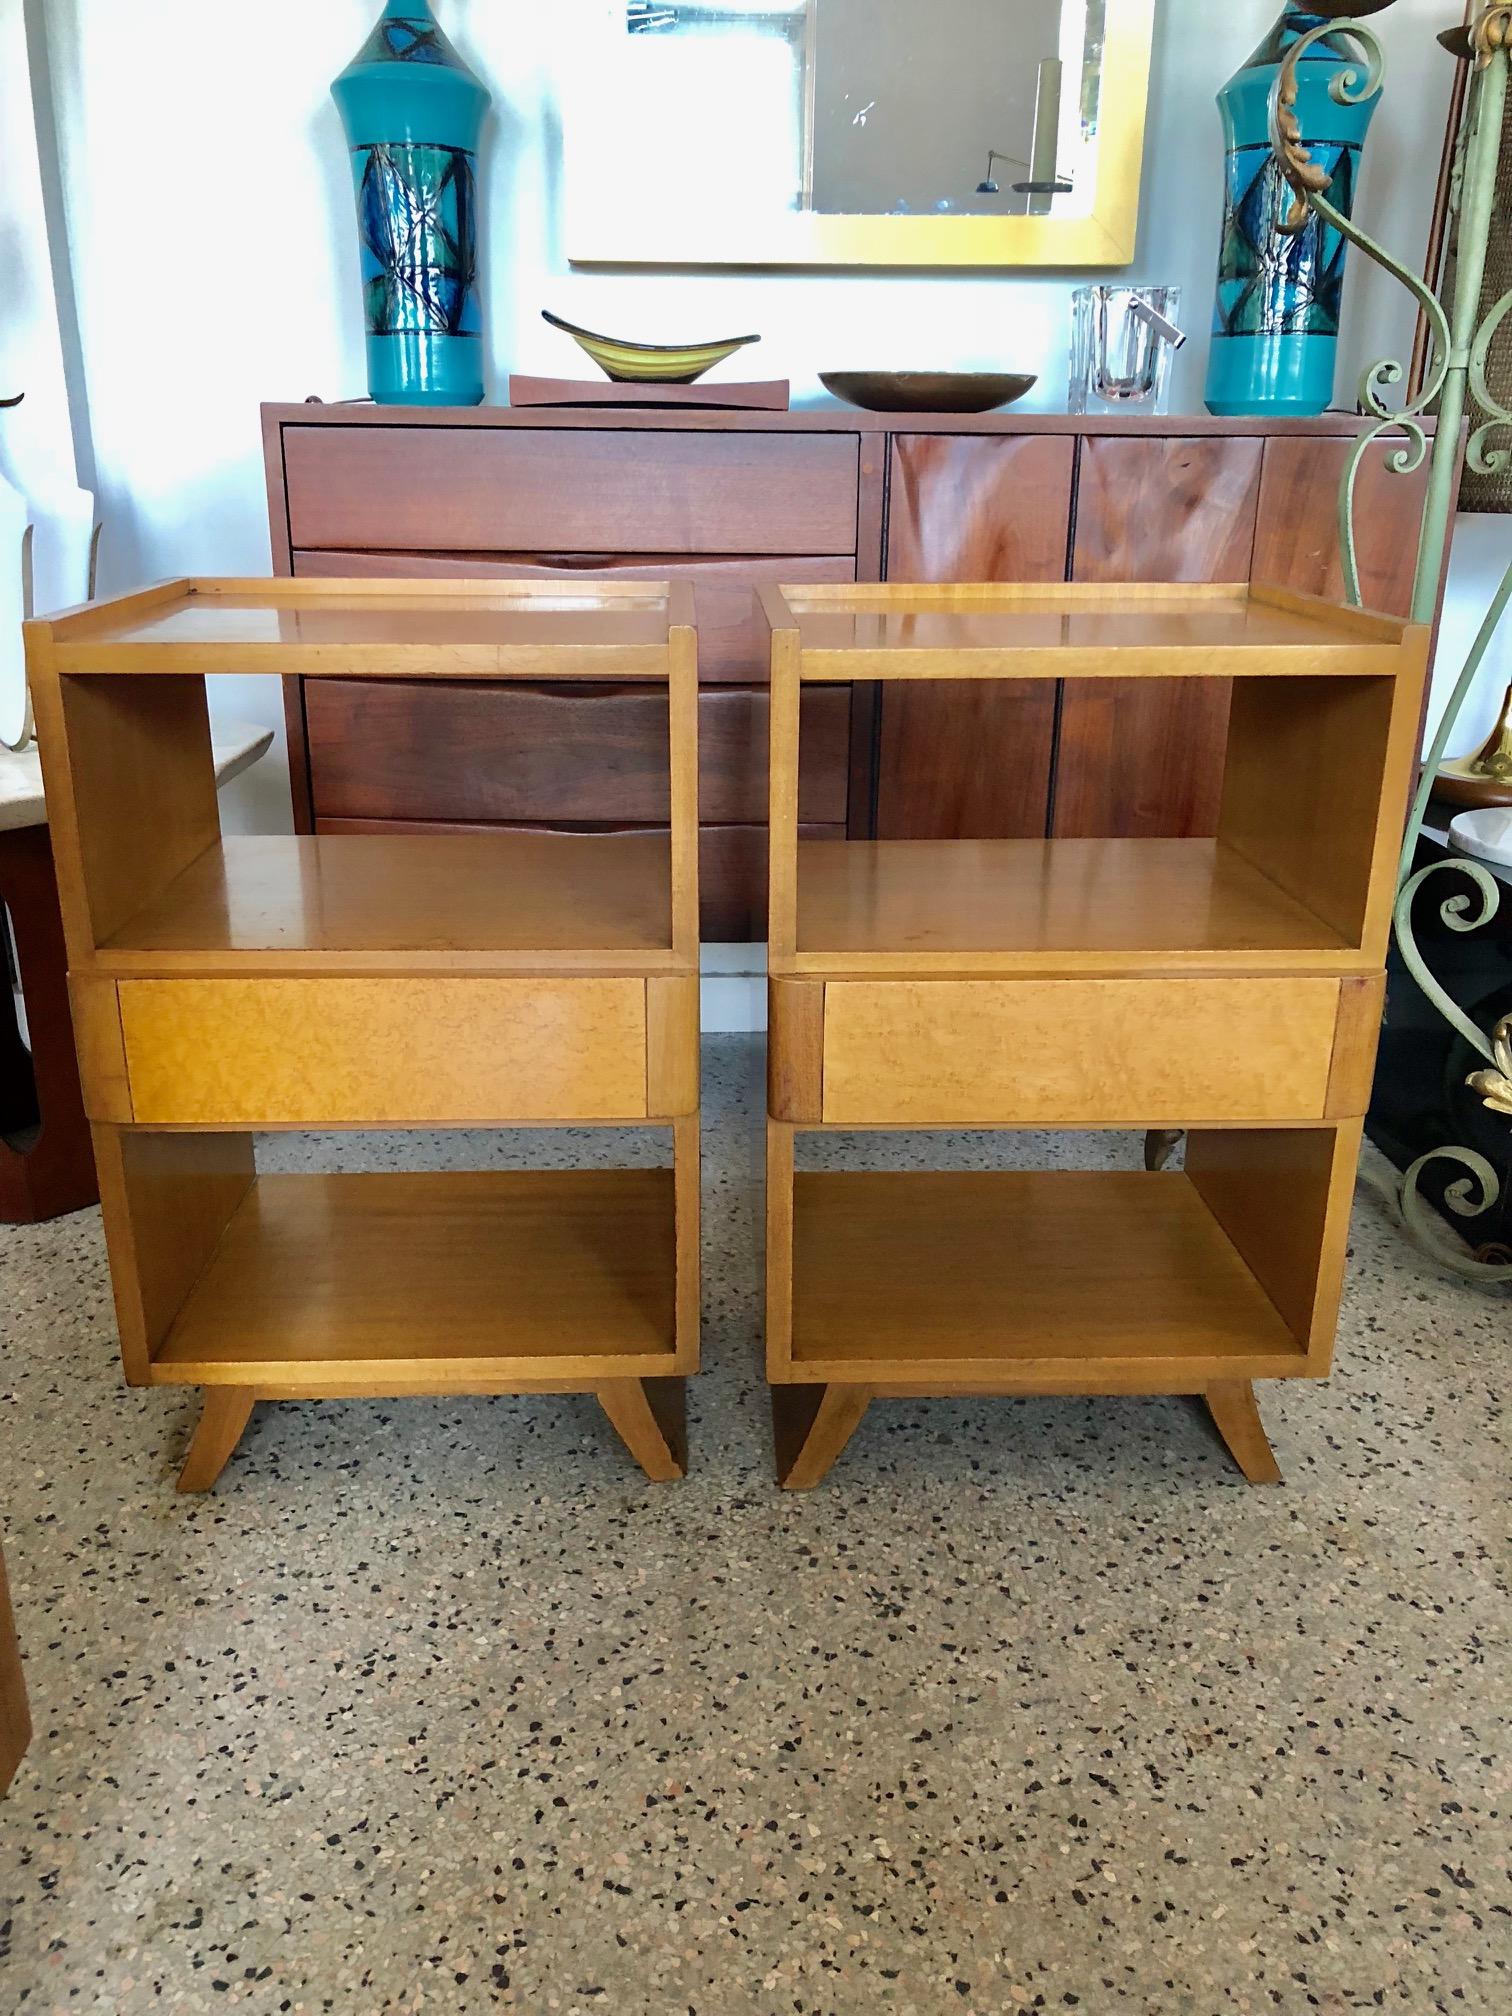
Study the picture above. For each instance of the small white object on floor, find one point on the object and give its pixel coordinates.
(1485, 833)
(235, 745)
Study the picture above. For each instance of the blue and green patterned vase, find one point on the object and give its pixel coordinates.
(1276, 325)
(413, 112)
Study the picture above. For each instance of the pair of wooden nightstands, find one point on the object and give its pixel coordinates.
(1227, 987)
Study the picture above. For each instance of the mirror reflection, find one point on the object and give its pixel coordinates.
(767, 109)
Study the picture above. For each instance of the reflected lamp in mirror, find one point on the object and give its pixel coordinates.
(792, 133)
(1045, 179)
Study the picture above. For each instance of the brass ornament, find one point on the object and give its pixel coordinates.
(1304, 174)
(1494, 757)
(1358, 78)
(1490, 32)
(1495, 1085)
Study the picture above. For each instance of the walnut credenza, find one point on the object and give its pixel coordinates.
(730, 500)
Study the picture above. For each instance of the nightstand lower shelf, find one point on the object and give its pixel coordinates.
(434, 1282)
(1041, 1281)
(1054, 1282)
(332, 1286)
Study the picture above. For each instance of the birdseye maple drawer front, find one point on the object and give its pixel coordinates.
(455, 750)
(383, 1052)
(1114, 1053)
(454, 489)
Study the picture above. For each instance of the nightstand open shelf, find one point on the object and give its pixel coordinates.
(224, 984)
(471, 1281)
(1227, 988)
(902, 1277)
(444, 901)
(1025, 906)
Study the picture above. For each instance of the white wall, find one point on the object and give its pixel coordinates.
(37, 454)
(214, 249)
(34, 438)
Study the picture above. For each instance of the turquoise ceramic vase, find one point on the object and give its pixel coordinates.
(1276, 325)
(413, 112)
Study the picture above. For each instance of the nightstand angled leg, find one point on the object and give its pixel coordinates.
(811, 1426)
(1236, 1416)
(1161, 1144)
(226, 1413)
(650, 1418)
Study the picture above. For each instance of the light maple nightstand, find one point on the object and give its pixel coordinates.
(224, 985)
(1230, 988)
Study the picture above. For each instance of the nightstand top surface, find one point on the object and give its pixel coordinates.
(1070, 630)
(396, 628)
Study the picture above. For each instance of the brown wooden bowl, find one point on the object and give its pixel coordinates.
(1457, 784)
(927, 391)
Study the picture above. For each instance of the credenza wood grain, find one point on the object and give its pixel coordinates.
(732, 647)
(730, 500)
(386, 749)
(956, 761)
(1145, 758)
(1297, 537)
(611, 491)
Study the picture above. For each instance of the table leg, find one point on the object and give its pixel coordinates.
(227, 1411)
(811, 1426)
(1236, 1416)
(1161, 1144)
(650, 1418)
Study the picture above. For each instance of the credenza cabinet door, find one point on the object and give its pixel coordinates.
(970, 759)
(1297, 537)
(1144, 758)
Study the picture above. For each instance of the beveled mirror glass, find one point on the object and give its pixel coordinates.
(856, 132)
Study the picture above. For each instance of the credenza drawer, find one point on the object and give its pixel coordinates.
(733, 639)
(1111, 1053)
(383, 1052)
(450, 489)
(462, 751)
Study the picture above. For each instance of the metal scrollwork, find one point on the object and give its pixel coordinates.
(1481, 457)
(1374, 380)
(1352, 85)
(1452, 912)
(1462, 339)
(1468, 1197)
(1347, 87)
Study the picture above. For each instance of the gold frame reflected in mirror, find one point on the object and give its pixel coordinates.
(619, 214)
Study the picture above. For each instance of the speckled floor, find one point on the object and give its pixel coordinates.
(439, 1706)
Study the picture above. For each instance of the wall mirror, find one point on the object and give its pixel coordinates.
(856, 132)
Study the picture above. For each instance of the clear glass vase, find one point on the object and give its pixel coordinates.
(1119, 360)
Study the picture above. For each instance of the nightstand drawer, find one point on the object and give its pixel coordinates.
(383, 1052)
(1069, 1053)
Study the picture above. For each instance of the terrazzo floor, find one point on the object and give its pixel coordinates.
(1034, 1706)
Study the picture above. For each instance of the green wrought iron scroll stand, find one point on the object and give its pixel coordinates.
(1461, 339)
